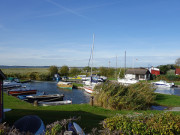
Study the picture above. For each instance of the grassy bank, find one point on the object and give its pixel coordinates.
(24, 70)
(91, 116)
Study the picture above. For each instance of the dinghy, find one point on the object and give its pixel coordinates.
(75, 128)
(55, 103)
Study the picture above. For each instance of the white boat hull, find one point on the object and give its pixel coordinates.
(55, 103)
(88, 89)
(127, 81)
(163, 84)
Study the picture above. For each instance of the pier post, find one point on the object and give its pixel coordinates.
(35, 103)
(92, 101)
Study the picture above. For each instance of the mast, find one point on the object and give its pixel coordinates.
(92, 55)
(125, 65)
(116, 68)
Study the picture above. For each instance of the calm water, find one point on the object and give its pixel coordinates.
(80, 96)
(76, 95)
(170, 91)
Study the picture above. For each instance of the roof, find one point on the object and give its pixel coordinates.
(141, 71)
(2, 75)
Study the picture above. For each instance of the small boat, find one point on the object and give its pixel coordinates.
(162, 83)
(75, 128)
(11, 84)
(45, 98)
(23, 97)
(55, 103)
(65, 85)
(22, 91)
(89, 89)
(127, 81)
(30, 123)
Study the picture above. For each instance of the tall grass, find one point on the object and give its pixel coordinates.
(113, 95)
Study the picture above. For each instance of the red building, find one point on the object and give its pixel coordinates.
(154, 71)
(2, 77)
(177, 71)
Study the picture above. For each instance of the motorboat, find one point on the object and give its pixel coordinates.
(65, 85)
(11, 84)
(163, 83)
(45, 98)
(127, 81)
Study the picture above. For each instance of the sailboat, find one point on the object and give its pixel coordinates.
(127, 81)
(89, 83)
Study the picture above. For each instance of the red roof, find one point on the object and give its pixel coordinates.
(177, 71)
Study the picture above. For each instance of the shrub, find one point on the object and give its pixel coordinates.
(43, 77)
(32, 75)
(162, 123)
(116, 96)
(173, 77)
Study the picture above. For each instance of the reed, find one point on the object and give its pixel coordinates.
(116, 96)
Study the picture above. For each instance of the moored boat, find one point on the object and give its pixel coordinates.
(89, 89)
(65, 85)
(162, 83)
(127, 81)
(52, 103)
(22, 91)
(11, 84)
(45, 98)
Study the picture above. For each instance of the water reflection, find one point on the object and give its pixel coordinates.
(76, 95)
(170, 91)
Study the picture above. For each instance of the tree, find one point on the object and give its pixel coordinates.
(87, 69)
(74, 71)
(164, 69)
(53, 70)
(103, 71)
(177, 61)
(64, 71)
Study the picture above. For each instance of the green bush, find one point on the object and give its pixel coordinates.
(141, 124)
(113, 95)
(43, 77)
(173, 77)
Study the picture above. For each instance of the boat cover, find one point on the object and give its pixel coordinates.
(30, 123)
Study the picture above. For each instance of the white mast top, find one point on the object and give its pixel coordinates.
(92, 55)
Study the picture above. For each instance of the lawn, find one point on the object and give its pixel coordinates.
(91, 116)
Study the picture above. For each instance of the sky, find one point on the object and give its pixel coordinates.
(60, 32)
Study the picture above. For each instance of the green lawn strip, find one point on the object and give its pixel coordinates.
(177, 83)
(91, 116)
(168, 100)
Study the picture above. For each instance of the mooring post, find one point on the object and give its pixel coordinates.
(35, 103)
(92, 101)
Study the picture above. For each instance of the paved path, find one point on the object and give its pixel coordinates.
(174, 109)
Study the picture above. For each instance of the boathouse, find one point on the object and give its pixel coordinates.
(177, 71)
(138, 74)
(154, 71)
(2, 77)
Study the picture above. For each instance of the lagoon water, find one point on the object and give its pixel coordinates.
(79, 96)
(170, 91)
(76, 95)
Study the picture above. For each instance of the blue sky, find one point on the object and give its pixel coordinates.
(60, 32)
